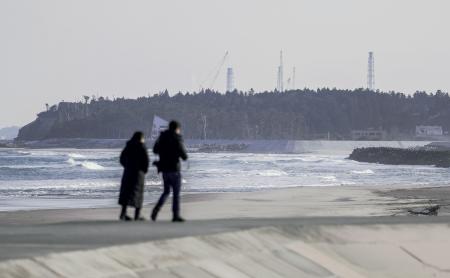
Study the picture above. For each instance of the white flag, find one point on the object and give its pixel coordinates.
(159, 124)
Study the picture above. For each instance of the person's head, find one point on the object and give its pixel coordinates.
(138, 136)
(175, 127)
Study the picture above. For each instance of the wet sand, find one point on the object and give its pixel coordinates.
(293, 202)
(336, 201)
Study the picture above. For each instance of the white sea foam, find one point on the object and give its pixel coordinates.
(363, 172)
(272, 173)
(75, 155)
(61, 184)
(153, 183)
(44, 153)
(23, 166)
(348, 183)
(159, 182)
(92, 165)
(311, 158)
(85, 164)
(329, 178)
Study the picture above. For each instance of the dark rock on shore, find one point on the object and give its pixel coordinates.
(398, 156)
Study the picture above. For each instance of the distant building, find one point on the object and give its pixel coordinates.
(429, 130)
(370, 134)
(230, 80)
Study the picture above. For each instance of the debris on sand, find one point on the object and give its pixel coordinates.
(432, 210)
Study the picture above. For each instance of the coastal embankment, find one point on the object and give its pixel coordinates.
(247, 146)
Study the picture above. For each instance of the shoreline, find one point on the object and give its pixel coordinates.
(307, 201)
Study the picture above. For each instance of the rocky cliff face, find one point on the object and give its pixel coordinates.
(42, 127)
(39, 128)
(101, 119)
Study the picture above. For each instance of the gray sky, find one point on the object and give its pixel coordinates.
(60, 50)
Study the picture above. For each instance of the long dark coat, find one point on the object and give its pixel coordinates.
(134, 159)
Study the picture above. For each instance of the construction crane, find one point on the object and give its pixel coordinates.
(214, 74)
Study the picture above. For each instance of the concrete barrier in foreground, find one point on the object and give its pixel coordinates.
(417, 250)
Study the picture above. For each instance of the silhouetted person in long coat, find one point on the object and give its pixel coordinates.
(134, 159)
(170, 148)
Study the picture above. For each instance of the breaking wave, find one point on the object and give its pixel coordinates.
(363, 172)
(75, 155)
(272, 173)
(86, 164)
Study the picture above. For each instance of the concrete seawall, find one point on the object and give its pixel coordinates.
(282, 251)
(256, 146)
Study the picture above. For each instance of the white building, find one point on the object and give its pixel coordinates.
(429, 130)
(370, 134)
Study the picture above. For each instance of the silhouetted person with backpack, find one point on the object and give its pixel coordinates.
(170, 148)
(134, 159)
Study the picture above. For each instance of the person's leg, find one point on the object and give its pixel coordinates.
(137, 214)
(124, 211)
(163, 197)
(123, 214)
(176, 186)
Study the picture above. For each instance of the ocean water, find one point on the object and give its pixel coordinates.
(70, 178)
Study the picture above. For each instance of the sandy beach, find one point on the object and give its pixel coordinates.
(346, 212)
(336, 201)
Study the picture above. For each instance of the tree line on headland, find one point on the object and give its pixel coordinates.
(294, 114)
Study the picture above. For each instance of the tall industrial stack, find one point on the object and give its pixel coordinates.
(230, 79)
(280, 84)
(371, 72)
(293, 79)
